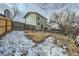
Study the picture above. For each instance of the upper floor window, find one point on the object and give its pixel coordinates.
(38, 23)
(38, 18)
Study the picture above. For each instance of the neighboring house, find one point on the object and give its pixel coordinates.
(18, 25)
(75, 22)
(35, 21)
(7, 13)
(2, 15)
(54, 26)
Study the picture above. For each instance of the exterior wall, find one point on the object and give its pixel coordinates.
(30, 27)
(41, 23)
(31, 19)
(49, 27)
(36, 21)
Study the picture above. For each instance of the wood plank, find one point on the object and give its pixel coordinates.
(8, 22)
(2, 22)
(8, 28)
(2, 30)
(5, 26)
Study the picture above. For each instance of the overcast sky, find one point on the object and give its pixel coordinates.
(44, 9)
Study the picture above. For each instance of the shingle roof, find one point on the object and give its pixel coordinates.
(2, 15)
(33, 13)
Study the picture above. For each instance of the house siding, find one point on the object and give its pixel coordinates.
(31, 19)
(42, 22)
(36, 21)
(30, 27)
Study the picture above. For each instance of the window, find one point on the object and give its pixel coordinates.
(41, 26)
(38, 23)
(38, 18)
(45, 28)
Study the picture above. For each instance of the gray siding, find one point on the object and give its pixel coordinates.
(37, 21)
(31, 19)
(41, 23)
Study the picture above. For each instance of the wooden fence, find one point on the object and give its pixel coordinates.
(18, 25)
(5, 25)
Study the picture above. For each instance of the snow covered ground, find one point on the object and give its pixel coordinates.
(16, 44)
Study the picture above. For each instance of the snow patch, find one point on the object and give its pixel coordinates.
(16, 44)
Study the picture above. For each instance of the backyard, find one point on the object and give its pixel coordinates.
(35, 43)
(60, 39)
(16, 43)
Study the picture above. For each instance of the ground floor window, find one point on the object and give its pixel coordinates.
(41, 26)
(45, 28)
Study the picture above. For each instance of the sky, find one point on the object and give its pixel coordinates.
(45, 9)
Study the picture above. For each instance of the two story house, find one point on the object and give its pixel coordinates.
(35, 21)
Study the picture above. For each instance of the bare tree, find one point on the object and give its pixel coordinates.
(14, 12)
(65, 20)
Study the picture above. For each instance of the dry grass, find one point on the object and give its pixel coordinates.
(60, 39)
(37, 36)
(66, 41)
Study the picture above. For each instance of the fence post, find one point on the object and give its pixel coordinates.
(5, 25)
(11, 25)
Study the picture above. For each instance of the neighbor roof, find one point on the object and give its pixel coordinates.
(2, 15)
(33, 13)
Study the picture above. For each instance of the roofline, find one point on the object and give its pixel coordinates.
(18, 22)
(6, 9)
(2, 15)
(33, 13)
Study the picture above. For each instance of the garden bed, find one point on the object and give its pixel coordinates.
(37, 36)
